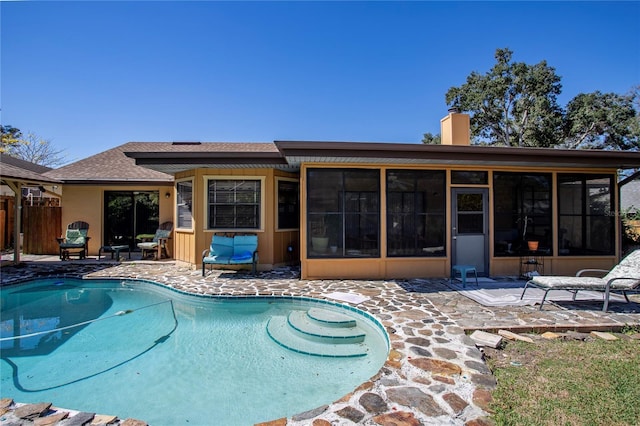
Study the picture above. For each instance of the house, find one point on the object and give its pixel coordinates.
(630, 193)
(118, 199)
(630, 209)
(366, 210)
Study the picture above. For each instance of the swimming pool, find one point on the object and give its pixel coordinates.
(152, 353)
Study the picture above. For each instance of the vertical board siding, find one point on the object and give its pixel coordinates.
(6, 221)
(3, 237)
(41, 227)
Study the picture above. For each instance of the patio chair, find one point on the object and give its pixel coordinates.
(623, 277)
(75, 240)
(158, 245)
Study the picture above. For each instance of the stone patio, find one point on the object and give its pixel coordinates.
(434, 375)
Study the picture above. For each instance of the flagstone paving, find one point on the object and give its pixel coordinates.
(434, 375)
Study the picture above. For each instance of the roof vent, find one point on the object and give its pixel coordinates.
(186, 143)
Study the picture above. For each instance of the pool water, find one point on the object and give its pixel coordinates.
(147, 352)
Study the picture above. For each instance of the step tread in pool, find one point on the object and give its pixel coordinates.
(281, 332)
(304, 324)
(331, 318)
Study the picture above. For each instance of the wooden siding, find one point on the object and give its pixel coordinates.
(41, 227)
(272, 243)
(184, 247)
(6, 221)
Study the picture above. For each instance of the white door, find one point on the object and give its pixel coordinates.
(470, 233)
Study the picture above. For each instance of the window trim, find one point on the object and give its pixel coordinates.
(277, 215)
(584, 178)
(516, 251)
(308, 235)
(426, 214)
(175, 204)
(205, 209)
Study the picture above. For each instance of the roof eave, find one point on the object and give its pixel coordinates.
(205, 157)
(293, 151)
(112, 181)
(174, 162)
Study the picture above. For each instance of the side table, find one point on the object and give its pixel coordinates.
(531, 264)
(114, 250)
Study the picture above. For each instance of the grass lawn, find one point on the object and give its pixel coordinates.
(567, 382)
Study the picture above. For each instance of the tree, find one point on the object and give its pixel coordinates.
(10, 136)
(602, 120)
(431, 139)
(514, 104)
(634, 93)
(37, 150)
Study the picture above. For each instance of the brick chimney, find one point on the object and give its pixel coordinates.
(455, 129)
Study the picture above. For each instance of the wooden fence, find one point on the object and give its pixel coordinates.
(3, 233)
(6, 221)
(41, 226)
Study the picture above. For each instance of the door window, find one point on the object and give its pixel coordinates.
(470, 213)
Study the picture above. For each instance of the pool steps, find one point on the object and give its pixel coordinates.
(306, 326)
(330, 318)
(318, 332)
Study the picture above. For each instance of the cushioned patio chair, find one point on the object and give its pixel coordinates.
(624, 277)
(236, 250)
(158, 245)
(75, 240)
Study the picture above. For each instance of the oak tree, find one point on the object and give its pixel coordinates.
(603, 121)
(513, 104)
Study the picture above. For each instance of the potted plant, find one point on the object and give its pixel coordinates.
(531, 244)
(319, 238)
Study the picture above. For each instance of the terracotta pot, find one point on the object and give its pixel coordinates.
(533, 245)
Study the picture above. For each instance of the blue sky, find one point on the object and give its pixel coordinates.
(93, 75)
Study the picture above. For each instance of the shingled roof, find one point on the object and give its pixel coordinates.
(114, 165)
(111, 166)
(140, 162)
(176, 157)
(23, 171)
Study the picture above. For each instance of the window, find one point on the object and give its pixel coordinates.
(522, 212)
(343, 213)
(465, 177)
(184, 192)
(416, 213)
(288, 205)
(129, 214)
(470, 214)
(233, 203)
(586, 225)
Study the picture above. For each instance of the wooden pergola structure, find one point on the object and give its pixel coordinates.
(15, 178)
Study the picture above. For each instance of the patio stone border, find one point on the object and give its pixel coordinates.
(434, 374)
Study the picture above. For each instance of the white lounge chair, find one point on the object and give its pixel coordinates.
(624, 277)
